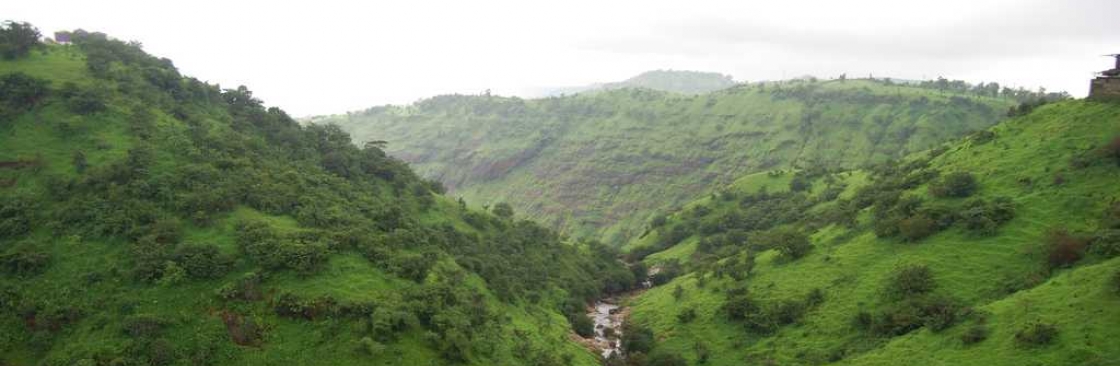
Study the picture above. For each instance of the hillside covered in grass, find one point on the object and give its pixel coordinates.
(603, 164)
(150, 218)
(1001, 248)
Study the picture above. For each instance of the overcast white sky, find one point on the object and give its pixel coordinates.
(326, 56)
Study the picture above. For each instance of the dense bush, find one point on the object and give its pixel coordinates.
(956, 184)
(687, 315)
(790, 242)
(1036, 334)
(636, 338)
(666, 359)
(202, 261)
(917, 227)
(975, 334)
(901, 317)
(1063, 249)
(582, 324)
(1111, 150)
(909, 281)
(1116, 282)
(15, 215)
(19, 92)
(1106, 243)
(25, 260)
(984, 217)
(84, 100)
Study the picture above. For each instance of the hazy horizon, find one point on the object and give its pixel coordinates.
(332, 57)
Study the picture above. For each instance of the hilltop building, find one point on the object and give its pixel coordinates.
(1107, 83)
(62, 37)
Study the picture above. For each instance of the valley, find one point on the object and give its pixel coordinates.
(674, 218)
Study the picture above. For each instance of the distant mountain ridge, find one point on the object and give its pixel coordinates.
(674, 81)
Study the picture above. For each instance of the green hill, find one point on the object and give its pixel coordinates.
(150, 218)
(603, 164)
(997, 249)
(674, 81)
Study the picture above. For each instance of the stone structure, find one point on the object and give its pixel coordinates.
(1107, 83)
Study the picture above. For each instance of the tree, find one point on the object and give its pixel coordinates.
(911, 280)
(916, 227)
(503, 210)
(956, 184)
(80, 163)
(19, 91)
(17, 39)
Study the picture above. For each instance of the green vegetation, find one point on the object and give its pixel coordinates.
(676, 81)
(150, 218)
(604, 164)
(973, 252)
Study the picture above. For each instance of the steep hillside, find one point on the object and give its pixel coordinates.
(149, 218)
(603, 164)
(997, 249)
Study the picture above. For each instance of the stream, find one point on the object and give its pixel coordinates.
(608, 319)
(608, 314)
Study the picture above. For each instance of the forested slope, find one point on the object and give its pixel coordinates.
(150, 218)
(997, 249)
(602, 164)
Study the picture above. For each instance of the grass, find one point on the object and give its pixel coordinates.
(852, 267)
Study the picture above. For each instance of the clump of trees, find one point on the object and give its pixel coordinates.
(20, 92)
(911, 304)
(956, 184)
(17, 39)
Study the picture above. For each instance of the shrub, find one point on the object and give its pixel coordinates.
(84, 101)
(25, 261)
(897, 320)
(1112, 150)
(666, 359)
(1036, 334)
(956, 184)
(984, 217)
(1106, 243)
(815, 297)
(787, 312)
(1064, 249)
(582, 324)
(19, 91)
(1116, 282)
(686, 315)
(1111, 219)
(917, 227)
(503, 210)
(15, 215)
(369, 347)
(911, 280)
(939, 313)
(636, 338)
(202, 261)
(144, 326)
(974, 334)
(741, 307)
(791, 243)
